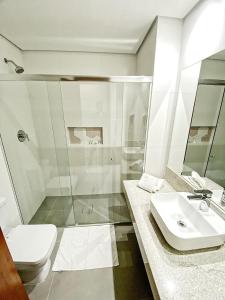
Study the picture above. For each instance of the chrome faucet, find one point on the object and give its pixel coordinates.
(201, 195)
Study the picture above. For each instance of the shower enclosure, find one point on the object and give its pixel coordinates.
(70, 141)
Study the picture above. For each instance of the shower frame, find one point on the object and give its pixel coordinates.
(87, 78)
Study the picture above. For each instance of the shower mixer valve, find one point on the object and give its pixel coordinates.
(22, 136)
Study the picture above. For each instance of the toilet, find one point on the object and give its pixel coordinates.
(31, 247)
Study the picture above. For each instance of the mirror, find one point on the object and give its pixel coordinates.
(199, 129)
(205, 145)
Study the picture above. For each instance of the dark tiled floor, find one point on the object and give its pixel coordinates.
(86, 209)
(105, 208)
(128, 281)
(55, 210)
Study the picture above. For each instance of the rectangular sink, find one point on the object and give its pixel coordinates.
(184, 225)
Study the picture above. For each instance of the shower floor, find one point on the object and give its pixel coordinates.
(82, 210)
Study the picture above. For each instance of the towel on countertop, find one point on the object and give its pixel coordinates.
(198, 180)
(150, 183)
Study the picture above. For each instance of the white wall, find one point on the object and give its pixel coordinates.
(164, 91)
(204, 31)
(203, 36)
(23, 158)
(146, 54)
(9, 214)
(50, 62)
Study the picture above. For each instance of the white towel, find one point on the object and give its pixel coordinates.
(198, 179)
(150, 183)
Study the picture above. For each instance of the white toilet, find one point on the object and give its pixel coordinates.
(31, 247)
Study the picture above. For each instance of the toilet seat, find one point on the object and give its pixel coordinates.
(31, 245)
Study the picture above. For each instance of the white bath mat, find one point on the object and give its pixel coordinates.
(87, 247)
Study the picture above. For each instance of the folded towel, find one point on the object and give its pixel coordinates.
(150, 183)
(198, 179)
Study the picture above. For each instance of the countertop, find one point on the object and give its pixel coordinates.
(198, 274)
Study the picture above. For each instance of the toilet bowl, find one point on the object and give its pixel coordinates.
(31, 247)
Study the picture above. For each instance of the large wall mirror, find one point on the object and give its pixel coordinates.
(202, 115)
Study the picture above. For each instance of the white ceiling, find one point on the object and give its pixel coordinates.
(84, 25)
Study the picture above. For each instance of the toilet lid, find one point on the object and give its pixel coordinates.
(31, 244)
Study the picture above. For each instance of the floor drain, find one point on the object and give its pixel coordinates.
(181, 223)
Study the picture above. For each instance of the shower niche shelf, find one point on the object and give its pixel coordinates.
(200, 135)
(80, 136)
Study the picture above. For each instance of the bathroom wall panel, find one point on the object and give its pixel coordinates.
(164, 93)
(59, 62)
(146, 54)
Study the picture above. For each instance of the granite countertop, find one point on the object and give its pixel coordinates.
(198, 274)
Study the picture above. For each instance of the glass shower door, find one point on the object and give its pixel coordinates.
(105, 126)
(38, 163)
(93, 121)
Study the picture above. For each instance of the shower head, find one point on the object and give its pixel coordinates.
(18, 69)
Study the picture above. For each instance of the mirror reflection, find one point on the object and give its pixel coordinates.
(205, 149)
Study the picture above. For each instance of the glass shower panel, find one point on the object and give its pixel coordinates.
(93, 119)
(106, 132)
(216, 162)
(63, 206)
(135, 113)
(35, 163)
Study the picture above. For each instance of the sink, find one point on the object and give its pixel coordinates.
(184, 225)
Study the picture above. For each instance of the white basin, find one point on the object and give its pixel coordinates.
(184, 225)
